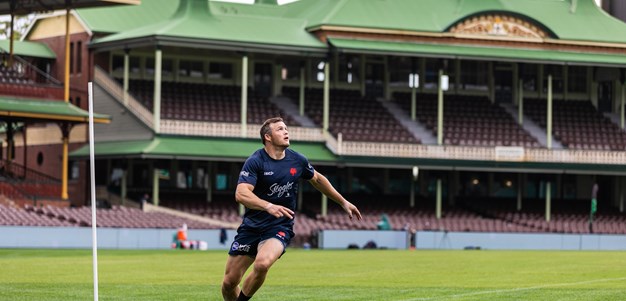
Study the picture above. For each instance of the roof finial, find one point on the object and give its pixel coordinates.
(572, 7)
(196, 7)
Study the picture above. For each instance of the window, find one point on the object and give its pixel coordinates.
(577, 79)
(431, 80)
(349, 69)
(135, 65)
(167, 67)
(39, 158)
(318, 70)
(290, 70)
(400, 68)
(117, 64)
(474, 75)
(193, 69)
(75, 170)
(149, 66)
(220, 70)
(79, 57)
(221, 182)
(529, 75)
(72, 57)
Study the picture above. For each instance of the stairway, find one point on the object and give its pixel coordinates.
(416, 129)
(531, 127)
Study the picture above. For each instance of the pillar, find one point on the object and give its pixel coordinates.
(244, 96)
(156, 106)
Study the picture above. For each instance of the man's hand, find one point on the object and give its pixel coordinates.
(279, 211)
(351, 210)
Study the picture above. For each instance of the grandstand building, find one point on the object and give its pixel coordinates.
(488, 116)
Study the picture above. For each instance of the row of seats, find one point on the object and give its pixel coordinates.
(206, 102)
(468, 121)
(577, 125)
(117, 217)
(356, 117)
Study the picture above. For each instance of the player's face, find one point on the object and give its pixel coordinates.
(279, 134)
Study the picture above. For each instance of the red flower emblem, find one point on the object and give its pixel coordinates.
(292, 171)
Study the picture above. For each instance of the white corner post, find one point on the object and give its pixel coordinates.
(92, 174)
(326, 96)
(440, 109)
(244, 96)
(157, 91)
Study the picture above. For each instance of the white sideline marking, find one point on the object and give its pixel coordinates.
(516, 289)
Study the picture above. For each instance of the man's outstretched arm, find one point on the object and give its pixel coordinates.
(321, 183)
(245, 196)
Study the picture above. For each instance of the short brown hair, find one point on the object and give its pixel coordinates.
(265, 128)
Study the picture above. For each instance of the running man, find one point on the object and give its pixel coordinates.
(267, 187)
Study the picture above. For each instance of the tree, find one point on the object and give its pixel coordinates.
(21, 24)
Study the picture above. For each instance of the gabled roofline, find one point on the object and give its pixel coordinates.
(410, 33)
(56, 13)
(207, 44)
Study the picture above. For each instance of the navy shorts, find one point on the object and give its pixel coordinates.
(247, 240)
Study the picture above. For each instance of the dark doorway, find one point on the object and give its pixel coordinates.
(503, 83)
(605, 96)
(263, 79)
(375, 80)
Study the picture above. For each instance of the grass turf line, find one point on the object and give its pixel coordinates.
(27, 274)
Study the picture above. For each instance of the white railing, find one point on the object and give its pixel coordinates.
(400, 150)
(395, 150)
(221, 129)
(113, 88)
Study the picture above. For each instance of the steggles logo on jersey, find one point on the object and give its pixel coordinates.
(292, 171)
(281, 235)
(280, 190)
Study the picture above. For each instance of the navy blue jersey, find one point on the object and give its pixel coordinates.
(275, 181)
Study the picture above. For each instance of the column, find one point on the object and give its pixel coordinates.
(324, 205)
(439, 110)
(520, 102)
(549, 114)
(155, 186)
(65, 130)
(548, 200)
(157, 91)
(244, 96)
(126, 74)
(302, 86)
(66, 80)
(438, 200)
(326, 108)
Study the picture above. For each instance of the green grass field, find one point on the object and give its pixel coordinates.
(318, 275)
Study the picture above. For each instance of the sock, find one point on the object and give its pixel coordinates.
(243, 297)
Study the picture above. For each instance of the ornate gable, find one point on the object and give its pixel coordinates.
(498, 25)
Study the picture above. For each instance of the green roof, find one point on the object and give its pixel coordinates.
(207, 22)
(587, 22)
(121, 18)
(171, 147)
(476, 52)
(35, 109)
(31, 49)
(194, 22)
